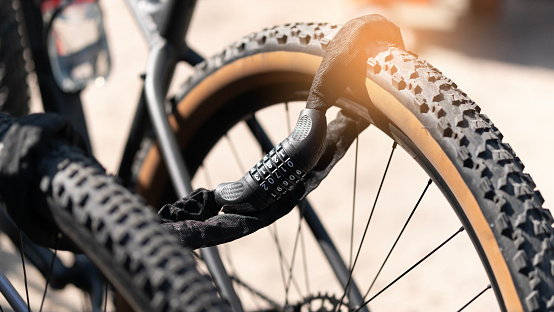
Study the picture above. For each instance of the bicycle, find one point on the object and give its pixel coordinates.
(449, 116)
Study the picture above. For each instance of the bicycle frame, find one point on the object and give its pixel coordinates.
(164, 26)
(165, 52)
(167, 47)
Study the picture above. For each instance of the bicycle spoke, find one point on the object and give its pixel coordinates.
(284, 264)
(242, 168)
(287, 115)
(267, 145)
(305, 262)
(475, 298)
(209, 184)
(411, 268)
(398, 237)
(48, 275)
(105, 296)
(353, 217)
(21, 246)
(257, 293)
(299, 231)
(367, 225)
(232, 270)
(354, 187)
(273, 231)
(294, 249)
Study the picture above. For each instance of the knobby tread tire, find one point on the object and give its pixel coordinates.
(14, 89)
(488, 166)
(123, 237)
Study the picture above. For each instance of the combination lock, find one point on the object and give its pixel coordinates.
(280, 170)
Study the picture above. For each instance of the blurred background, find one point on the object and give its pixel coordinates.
(501, 53)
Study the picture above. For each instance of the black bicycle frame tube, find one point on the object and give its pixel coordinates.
(53, 98)
(175, 20)
(12, 296)
(159, 64)
(175, 24)
(163, 57)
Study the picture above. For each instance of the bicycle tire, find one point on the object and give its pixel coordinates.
(14, 89)
(414, 104)
(123, 239)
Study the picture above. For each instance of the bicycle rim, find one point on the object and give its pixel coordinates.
(229, 89)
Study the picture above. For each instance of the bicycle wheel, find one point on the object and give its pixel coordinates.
(90, 212)
(445, 138)
(14, 90)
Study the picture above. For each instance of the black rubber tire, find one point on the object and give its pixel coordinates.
(413, 103)
(123, 237)
(14, 89)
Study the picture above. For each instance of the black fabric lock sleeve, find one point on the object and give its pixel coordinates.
(196, 221)
(344, 62)
(343, 66)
